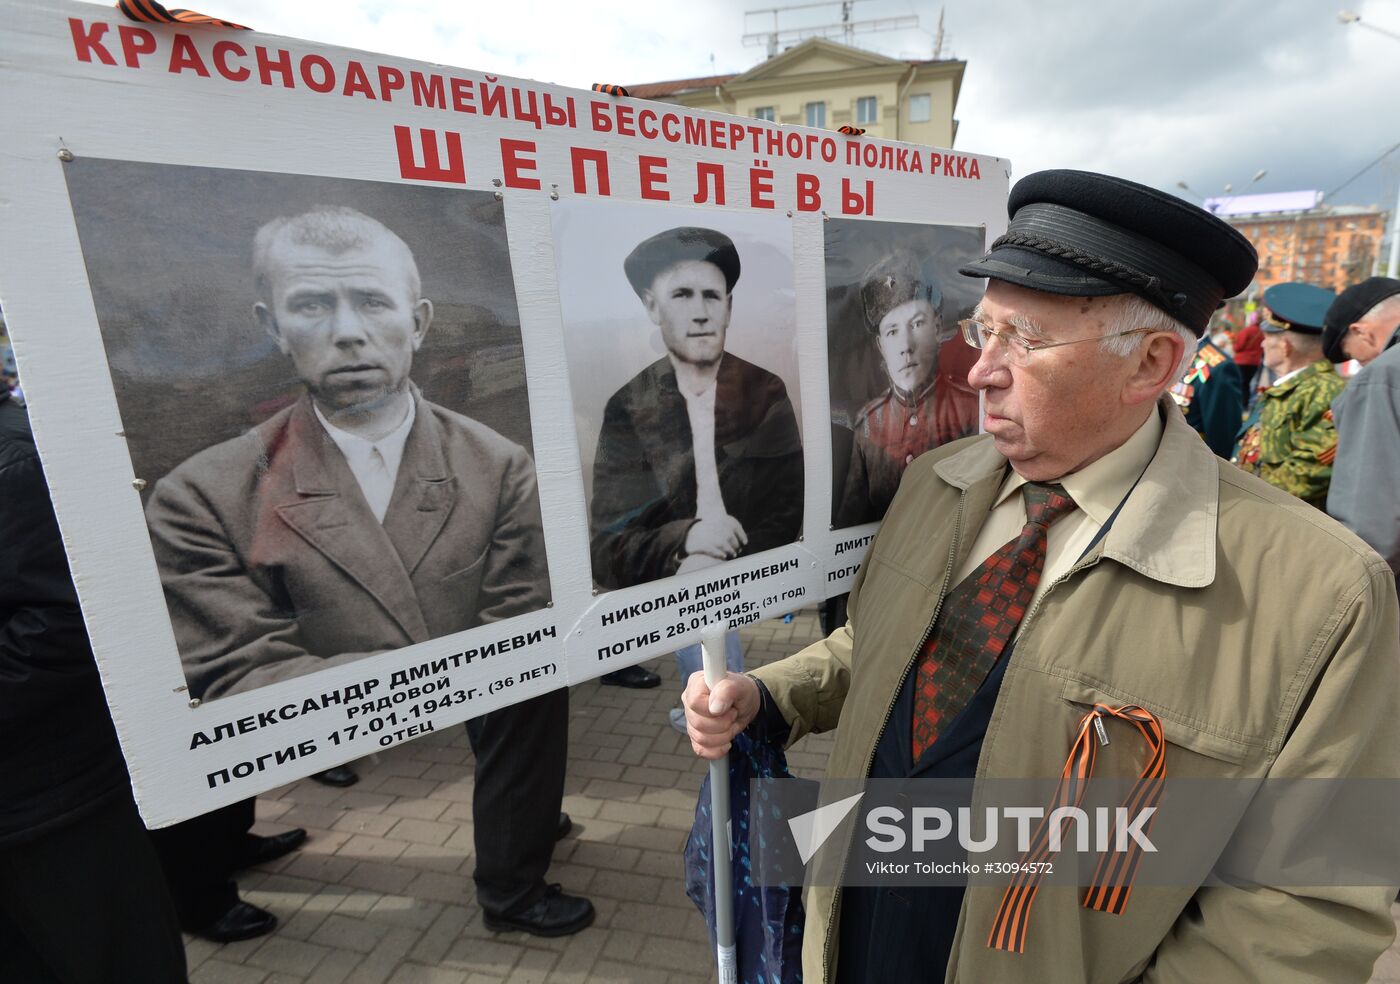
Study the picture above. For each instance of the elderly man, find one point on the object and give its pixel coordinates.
(1364, 324)
(929, 401)
(699, 459)
(1134, 573)
(363, 519)
(1289, 440)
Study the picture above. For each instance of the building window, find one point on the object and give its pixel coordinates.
(816, 115)
(765, 113)
(920, 108)
(865, 109)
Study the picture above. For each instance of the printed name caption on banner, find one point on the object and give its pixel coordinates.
(415, 703)
(654, 619)
(521, 166)
(847, 552)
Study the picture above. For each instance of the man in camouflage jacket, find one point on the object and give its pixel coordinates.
(1290, 441)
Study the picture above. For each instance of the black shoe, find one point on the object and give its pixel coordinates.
(261, 850)
(565, 825)
(555, 914)
(636, 677)
(243, 921)
(341, 775)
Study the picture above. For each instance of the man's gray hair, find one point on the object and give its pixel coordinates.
(1135, 312)
(334, 228)
(1386, 310)
(1305, 344)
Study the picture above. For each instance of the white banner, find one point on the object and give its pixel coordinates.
(374, 395)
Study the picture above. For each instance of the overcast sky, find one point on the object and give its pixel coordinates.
(1202, 91)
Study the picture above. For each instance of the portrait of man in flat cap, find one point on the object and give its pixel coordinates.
(699, 459)
(329, 475)
(681, 340)
(898, 367)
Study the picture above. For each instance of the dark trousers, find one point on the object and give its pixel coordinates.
(520, 752)
(832, 613)
(199, 856)
(86, 904)
(1247, 374)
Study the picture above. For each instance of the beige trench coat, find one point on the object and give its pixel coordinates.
(1264, 636)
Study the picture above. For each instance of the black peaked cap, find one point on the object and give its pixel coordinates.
(1082, 234)
(1350, 307)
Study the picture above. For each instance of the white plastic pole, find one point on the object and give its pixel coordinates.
(712, 646)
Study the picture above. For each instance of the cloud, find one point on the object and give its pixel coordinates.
(1202, 91)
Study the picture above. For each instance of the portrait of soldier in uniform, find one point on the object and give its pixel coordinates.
(892, 321)
(699, 458)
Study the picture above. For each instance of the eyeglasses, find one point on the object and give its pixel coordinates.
(1018, 349)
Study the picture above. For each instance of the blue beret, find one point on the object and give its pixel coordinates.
(1296, 307)
(664, 250)
(1083, 234)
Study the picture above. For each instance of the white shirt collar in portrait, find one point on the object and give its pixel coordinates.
(709, 501)
(375, 464)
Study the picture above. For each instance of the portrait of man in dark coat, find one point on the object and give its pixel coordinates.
(699, 456)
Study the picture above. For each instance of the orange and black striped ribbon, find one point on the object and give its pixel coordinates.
(150, 12)
(850, 131)
(612, 90)
(1113, 879)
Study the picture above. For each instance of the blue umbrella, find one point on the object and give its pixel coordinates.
(767, 918)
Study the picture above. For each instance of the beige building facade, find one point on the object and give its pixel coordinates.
(825, 85)
(1332, 246)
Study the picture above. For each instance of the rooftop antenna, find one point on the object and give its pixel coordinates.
(846, 29)
(938, 38)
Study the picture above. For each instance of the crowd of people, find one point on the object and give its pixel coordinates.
(1088, 499)
(1318, 415)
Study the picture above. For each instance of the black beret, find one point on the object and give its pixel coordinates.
(665, 249)
(1351, 306)
(1083, 234)
(894, 280)
(1296, 307)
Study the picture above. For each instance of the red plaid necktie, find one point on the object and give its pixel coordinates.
(980, 616)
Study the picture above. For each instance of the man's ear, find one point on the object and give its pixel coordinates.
(1158, 357)
(653, 309)
(422, 318)
(268, 321)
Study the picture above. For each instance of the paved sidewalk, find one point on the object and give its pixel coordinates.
(382, 891)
